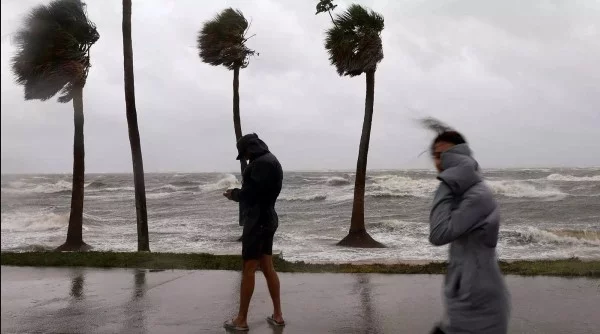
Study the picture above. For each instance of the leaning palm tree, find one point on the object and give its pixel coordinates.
(354, 47)
(53, 55)
(134, 133)
(222, 41)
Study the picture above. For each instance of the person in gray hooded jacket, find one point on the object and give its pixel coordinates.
(465, 215)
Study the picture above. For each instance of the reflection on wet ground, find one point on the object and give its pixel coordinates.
(77, 285)
(79, 300)
(134, 309)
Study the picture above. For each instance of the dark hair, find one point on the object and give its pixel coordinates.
(452, 137)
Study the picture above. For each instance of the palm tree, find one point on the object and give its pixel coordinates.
(326, 6)
(222, 41)
(354, 47)
(134, 133)
(53, 55)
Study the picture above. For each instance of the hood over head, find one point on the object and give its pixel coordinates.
(251, 144)
(460, 170)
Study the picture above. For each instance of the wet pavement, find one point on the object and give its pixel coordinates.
(82, 300)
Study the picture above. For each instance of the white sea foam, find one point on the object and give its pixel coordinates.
(337, 181)
(306, 198)
(386, 186)
(525, 189)
(571, 178)
(167, 187)
(20, 187)
(314, 215)
(400, 186)
(115, 189)
(34, 222)
(158, 195)
(533, 235)
(227, 182)
(53, 187)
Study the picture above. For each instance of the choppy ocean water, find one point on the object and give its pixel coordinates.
(546, 213)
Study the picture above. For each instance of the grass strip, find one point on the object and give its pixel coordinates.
(572, 267)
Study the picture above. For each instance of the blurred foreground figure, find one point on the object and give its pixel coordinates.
(261, 186)
(465, 215)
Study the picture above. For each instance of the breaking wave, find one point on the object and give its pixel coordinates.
(32, 248)
(396, 186)
(406, 228)
(43, 221)
(159, 195)
(167, 188)
(23, 222)
(120, 189)
(185, 183)
(308, 198)
(229, 181)
(96, 185)
(571, 178)
(19, 187)
(401, 186)
(337, 181)
(524, 189)
(385, 194)
(533, 235)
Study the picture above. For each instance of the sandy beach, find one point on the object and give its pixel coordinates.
(182, 301)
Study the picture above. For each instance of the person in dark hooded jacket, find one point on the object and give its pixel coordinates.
(261, 184)
(465, 215)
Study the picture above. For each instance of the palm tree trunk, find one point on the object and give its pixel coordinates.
(74, 233)
(237, 124)
(134, 134)
(358, 236)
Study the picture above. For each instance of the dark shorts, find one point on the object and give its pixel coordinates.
(257, 243)
(437, 330)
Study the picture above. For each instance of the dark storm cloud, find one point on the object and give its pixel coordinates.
(520, 79)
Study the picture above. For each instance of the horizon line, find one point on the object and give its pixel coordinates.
(302, 170)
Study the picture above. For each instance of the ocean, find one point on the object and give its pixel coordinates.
(546, 213)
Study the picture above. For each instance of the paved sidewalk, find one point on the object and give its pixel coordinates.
(82, 300)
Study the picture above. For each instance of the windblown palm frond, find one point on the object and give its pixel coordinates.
(53, 50)
(222, 40)
(354, 42)
(325, 6)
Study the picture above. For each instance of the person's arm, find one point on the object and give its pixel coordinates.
(447, 224)
(254, 186)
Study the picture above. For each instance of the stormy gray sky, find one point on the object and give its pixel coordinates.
(519, 78)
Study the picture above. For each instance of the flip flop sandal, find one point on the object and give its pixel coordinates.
(229, 325)
(271, 320)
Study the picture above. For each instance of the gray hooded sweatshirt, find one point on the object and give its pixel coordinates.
(465, 215)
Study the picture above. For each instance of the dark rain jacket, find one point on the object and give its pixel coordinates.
(261, 185)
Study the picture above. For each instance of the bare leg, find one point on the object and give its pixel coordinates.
(266, 263)
(246, 291)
